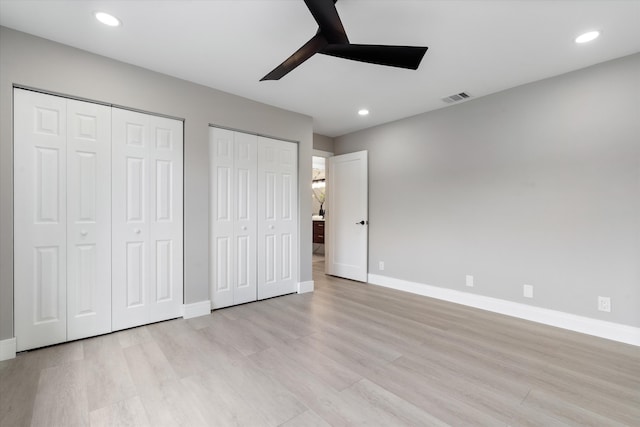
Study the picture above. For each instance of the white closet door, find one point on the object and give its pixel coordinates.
(88, 219)
(245, 221)
(221, 149)
(147, 218)
(166, 233)
(40, 248)
(277, 217)
(233, 159)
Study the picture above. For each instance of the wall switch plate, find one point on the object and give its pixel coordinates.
(604, 304)
(469, 280)
(381, 265)
(527, 291)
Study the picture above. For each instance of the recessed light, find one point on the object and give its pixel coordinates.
(363, 112)
(587, 37)
(107, 19)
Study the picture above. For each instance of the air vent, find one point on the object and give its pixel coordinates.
(456, 98)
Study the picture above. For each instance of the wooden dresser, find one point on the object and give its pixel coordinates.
(318, 231)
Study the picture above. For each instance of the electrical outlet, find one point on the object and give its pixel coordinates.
(527, 291)
(469, 280)
(604, 304)
(381, 265)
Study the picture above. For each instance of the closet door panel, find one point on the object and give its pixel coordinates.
(130, 219)
(245, 217)
(288, 223)
(222, 249)
(278, 220)
(166, 232)
(40, 247)
(88, 219)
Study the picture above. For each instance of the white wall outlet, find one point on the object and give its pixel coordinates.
(469, 280)
(604, 304)
(527, 291)
(381, 265)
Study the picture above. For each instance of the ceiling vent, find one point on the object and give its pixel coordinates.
(456, 98)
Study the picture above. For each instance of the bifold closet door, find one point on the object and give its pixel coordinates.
(88, 219)
(233, 160)
(62, 256)
(147, 218)
(277, 217)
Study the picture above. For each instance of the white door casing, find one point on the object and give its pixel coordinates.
(233, 186)
(347, 216)
(277, 217)
(147, 218)
(88, 219)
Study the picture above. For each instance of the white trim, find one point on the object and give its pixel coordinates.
(304, 287)
(586, 325)
(320, 153)
(7, 349)
(196, 309)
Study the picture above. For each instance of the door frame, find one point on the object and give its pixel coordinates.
(326, 155)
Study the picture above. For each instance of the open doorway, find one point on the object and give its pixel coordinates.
(318, 195)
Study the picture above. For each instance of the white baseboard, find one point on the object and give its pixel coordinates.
(586, 325)
(196, 309)
(304, 287)
(7, 349)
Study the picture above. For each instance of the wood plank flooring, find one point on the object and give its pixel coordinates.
(347, 354)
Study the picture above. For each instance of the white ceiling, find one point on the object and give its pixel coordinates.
(477, 46)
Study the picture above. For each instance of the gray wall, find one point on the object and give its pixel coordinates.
(539, 184)
(321, 142)
(39, 63)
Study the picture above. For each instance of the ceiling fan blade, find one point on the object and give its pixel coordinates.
(393, 56)
(326, 15)
(309, 49)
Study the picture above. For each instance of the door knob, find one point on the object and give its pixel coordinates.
(244, 228)
(84, 232)
(363, 222)
(137, 231)
(271, 227)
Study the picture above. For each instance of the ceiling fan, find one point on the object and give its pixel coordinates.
(331, 39)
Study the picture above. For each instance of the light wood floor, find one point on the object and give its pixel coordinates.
(348, 354)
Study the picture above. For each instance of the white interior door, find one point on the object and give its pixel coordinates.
(40, 248)
(346, 216)
(147, 218)
(233, 159)
(88, 219)
(277, 217)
